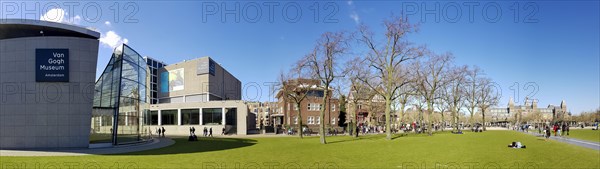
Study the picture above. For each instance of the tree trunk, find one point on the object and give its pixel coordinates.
(429, 112)
(443, 122)
(388, 132)
(322, 125)
(483, 115)
(300, 132)
(355, 120)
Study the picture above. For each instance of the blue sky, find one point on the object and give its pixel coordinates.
(551, 45)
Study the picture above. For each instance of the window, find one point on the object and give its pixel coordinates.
(333, 120)
(311, 120)
(319, 120)
(212, 116)
(295, 119)
(190, 116)
(295, 107)
(231, 116)
(333, 107)
(314, 106)
(288, 106)
(151, 118)
(168, 117)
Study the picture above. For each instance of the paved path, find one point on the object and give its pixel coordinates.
(154, 144)
(582, 143)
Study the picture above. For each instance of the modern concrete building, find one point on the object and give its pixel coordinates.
(199, 93)
(47, 73)
(153, 66)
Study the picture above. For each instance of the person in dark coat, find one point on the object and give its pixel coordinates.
(210, 132)
(163, 131)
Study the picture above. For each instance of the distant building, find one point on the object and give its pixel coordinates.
(529, 113)
(370, 111)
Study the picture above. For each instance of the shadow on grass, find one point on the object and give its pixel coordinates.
(368, 137)
(183, 146)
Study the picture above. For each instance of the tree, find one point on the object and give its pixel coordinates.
(472, 91)
(358, 92)
(489, 95)
(323, 64)
(454, 93)
(430, 81)
(386, 59)
(294, 89)
(342, 116)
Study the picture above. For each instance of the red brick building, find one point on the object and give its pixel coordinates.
(310, 106)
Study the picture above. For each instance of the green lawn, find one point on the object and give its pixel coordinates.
(585, 134)
(443, 150)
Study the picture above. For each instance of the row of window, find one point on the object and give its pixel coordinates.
(210, 116)
(312, 106)
(313, 120)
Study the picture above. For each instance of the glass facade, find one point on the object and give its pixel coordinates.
(121, 97)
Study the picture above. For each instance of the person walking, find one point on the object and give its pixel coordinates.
(223, 131)
(210, 132)
(547, 132)
(567, 129)
(158, 131)
(205, 132)
(163, 131)
(193, 130)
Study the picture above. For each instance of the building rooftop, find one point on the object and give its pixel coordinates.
(20, 28)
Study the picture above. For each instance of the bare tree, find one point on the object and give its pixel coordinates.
(430, 81)
(323, 63)
(455, 94)
(472, 92)
(386, 59)
(294, 89)
(489, 95)
(358, 93)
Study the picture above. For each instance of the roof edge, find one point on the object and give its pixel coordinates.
(70, 27)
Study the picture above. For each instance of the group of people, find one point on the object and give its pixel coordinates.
(557, 130)
(160, 131)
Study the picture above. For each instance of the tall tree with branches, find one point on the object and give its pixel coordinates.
(454, 94)
(489, 95)
(294, 89)
(358, 91)
(472, 92)
(386, 59)
(324, 66)
(430, 80)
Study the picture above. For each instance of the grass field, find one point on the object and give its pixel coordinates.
(585, 134)
(443, 150)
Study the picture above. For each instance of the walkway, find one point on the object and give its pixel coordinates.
(582, 143)
(154, 144)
